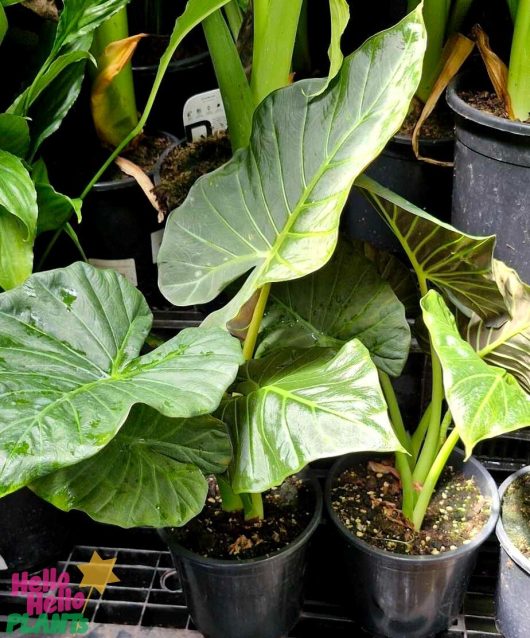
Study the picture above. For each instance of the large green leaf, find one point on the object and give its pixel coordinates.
(156, 478)
(459, 264)
(509, 345)
(55, 209)
(296, 406)
(484, 400)
(345, 299)
(274, 208)
(18, 220)
(70, 370)
(14, 134)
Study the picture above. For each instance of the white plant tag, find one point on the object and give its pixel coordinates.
(156, 240)
(204, 114)
(3, 564)
(126, 267)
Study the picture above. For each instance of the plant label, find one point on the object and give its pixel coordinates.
(204, 114)
(126, 267)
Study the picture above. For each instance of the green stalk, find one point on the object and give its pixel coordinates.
(234, 17)
(121, 92)
(302, 53)
(435, 15)
(519, 69)
(3, 23)
(274, 38)
(458, 15)
(430, 483)
(419, 434)
(446, 422)
(237, 97)
(231, 501)
(253, 329)
(253, 506)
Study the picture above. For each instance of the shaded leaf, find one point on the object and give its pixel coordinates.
(340, 16)
(459, 264)
(484, 400)
(274, 208)
(55, 209)
(18, 219)
(345, 299)
(508, 346)
(14, 134)
(156, 478)
(300, 405)
(70, 369)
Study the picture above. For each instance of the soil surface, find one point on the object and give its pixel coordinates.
(438, 126)
(516, 513)
(185, 164)
(218, 534)
(367, 499)
(486, 101)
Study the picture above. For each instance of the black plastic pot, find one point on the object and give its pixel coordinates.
(425, 185)
(512, 598)
(33, 533)
(409, 596)
(247, 598)
(491, 192)
(183, 79)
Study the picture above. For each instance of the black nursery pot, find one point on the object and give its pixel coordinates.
(409, 596)
(428, 186)
(33, 533)
(513, 588)
(491, 192)
(246, 598)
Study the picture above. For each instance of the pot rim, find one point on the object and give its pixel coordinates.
(474, 543)
(127, 181)
(468, 112)
(517, 556)
(181, 551)
(428, 142)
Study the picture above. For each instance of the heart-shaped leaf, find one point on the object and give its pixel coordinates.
(296, 406)
(508, 346)
(345, 299)
(18, 220)
(150, 474)
(484, 400)
(274, 208)
(70, 370)
(459, 264)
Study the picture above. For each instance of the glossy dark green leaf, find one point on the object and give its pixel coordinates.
(274, 209)
(14, 134)
(345, 299)
(484, 400)
(150, 474)
(70, 369)
(55, 209)
(18, 220)
(296, 406)
(459, 264)
(507, 346)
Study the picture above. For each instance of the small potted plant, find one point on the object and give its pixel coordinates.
(513, 532)
(492, 158)
(409, 565)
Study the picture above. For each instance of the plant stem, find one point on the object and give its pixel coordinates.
(519, 69)
(119, 96)
(253, 329)
(435, 15)
(234, 18)
(419, 434)
(231, 502)
(458, 15)
(302, 52)
(446, 422)
(432, 478)
(237, 97)
(405, 474)
(253, 506)
(276, 24)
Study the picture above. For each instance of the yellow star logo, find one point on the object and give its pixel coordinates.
(98, 572)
